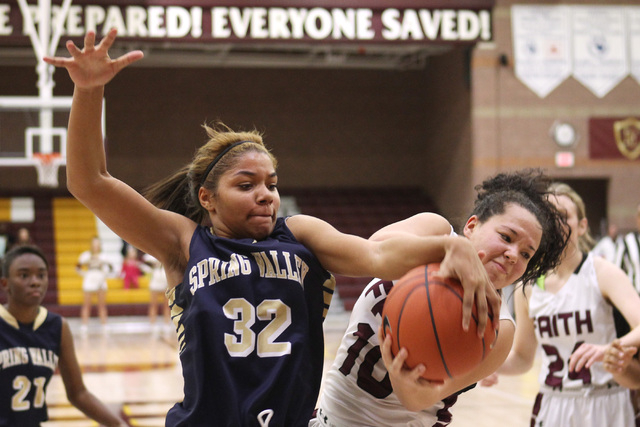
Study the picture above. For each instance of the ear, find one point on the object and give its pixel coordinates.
(207, 200)
(4, 285)
(470, 226)
(583, 224)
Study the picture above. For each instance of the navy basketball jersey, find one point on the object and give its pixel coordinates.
(249, 319)
(28, 358)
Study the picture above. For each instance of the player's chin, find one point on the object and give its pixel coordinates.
(500, 280)
(262, 229)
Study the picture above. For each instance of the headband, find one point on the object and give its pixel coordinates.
(217, 159)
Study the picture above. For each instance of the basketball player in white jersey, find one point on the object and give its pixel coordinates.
(568, 315)
(516, 232)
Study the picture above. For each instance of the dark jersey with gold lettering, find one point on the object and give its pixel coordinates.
(28, 358)
(249, 320)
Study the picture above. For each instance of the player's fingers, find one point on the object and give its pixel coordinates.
(385, 350)
(56, 61)
(495, 301)
(126, 59)
(89, 40)
(73, 49)
(575, 364)
(483, 312)
(611, 367)
(467, 309)
(575, 358)
(108, 40)
(398, 361)
(581, 357)
(432, 383)
(493, 297)
(590, 361)
(416, 373)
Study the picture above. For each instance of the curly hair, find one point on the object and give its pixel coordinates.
(528, 188)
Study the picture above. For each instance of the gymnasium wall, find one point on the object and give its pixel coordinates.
(444, 128)
(511, 124)
(328, 128)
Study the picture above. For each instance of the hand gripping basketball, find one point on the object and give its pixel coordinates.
(423, 313)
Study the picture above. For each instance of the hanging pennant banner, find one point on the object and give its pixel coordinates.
(633, 21)
(542, 46)
(600, 59)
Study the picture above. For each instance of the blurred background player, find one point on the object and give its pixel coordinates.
(568, 314)
(34, 343)
(607, 246)
(158, 287)
(132, 269)
(629, 253)
(94, 266)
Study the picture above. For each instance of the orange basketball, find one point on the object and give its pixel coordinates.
(423, 313)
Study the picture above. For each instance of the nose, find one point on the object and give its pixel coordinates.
(265, 196)
(511, 254)
(36, 281)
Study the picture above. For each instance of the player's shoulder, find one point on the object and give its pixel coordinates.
(377, 288)
(372, 297)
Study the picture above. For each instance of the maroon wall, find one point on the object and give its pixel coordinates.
(328, 127)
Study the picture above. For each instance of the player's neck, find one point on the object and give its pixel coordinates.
(23, 314)
(573, 258)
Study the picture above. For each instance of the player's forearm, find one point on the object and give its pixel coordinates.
(515, 364)
(417, 397)
(632, 338)
(630, 377)
(85, 151)
(397, 255)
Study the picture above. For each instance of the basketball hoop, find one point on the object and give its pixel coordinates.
(47, 167)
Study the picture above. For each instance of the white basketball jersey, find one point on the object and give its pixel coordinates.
(577, 313)
(357, 390)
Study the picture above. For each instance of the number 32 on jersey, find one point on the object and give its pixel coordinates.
(244, 340)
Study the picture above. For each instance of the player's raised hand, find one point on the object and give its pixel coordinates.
(91, 66)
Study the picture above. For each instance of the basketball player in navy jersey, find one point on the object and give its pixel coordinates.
(33, 343)
(249, 291)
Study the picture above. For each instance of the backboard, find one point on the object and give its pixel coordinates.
(33, 132)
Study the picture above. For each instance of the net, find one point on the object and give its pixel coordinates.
(47, 167)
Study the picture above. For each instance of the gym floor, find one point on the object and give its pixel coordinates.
(134, 368)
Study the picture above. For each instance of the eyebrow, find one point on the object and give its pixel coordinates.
(249, 173)
(20, 270)
(516, 233)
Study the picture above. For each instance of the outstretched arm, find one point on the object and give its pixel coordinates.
(161, 233)
(397, 253)
(77, 393)
(460, 261)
